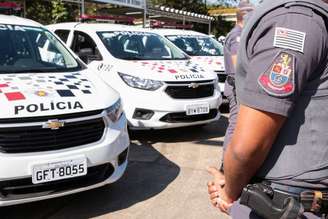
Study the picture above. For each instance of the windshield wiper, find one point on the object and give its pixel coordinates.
(21, 71)
(39, 70)
(32, 71)
(132, 58)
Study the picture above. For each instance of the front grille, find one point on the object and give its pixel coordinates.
(182, 117)
(24, 188)
(36, 139)
(188, 92)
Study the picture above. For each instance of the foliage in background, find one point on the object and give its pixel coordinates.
(49, 12)
(59, 12)
(91, 8)
(38, 10)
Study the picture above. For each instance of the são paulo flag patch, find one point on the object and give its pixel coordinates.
(279, 79)
(289, 39)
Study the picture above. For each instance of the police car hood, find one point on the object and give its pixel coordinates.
(46, 94)
(213, 63)
(176, 70)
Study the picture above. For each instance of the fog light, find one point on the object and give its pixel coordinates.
(122, 157)
(143, 114)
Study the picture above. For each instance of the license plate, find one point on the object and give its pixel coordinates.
(59, 170)
(197, 109)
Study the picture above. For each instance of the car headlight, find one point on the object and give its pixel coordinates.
(115, 111)
(140, 83)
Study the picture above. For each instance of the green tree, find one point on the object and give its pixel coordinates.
(59, 12)
(38, 10)
(49, 12)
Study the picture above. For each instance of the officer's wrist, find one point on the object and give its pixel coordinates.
(227, 198)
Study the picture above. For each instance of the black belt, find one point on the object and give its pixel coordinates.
(315, 201)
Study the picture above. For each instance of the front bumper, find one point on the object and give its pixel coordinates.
(16, 182)
(163, 106)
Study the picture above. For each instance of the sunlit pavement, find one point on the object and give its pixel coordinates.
(166, 178)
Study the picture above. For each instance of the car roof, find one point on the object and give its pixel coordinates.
(94, 27)
(14, 20)
(167, 32)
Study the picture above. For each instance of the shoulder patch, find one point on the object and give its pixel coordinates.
(279, 79)
(289, 39)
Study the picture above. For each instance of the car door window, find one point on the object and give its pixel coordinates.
(62, 34)
(84, 46)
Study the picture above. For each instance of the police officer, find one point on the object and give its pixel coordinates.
(230, 60)
(281, 138)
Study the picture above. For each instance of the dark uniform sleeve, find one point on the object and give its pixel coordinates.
(284, 52)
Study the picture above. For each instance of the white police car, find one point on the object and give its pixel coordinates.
(203, 49)
(62, 129)
(159, 84)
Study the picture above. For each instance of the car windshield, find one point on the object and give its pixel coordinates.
(129, 45)
(26, 49)
(197, 45)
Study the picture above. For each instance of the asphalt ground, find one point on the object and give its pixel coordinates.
(166, 178)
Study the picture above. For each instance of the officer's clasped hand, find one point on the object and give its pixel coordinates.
(216, 191)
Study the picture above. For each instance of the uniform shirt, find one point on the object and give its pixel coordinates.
(231, 49)
(284, 58)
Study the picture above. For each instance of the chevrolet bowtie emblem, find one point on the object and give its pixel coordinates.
(193, 85)
(53, 124)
